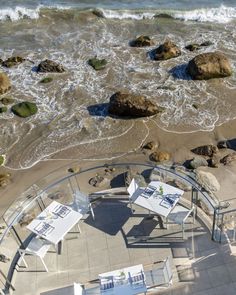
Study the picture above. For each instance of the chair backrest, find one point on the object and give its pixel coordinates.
(132, 187)
(78, 290)
(81, 202)
(167, 272)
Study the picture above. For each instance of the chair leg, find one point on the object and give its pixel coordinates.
(45, 266)
(183, 235)
(92, 212)
(79, 228)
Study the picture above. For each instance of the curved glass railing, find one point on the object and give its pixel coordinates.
(109, 178)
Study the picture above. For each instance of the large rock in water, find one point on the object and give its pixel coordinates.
(124, 104)
(13, 61)
(166, 51)
(24, 109)
(50, 66)
(209, 65)
(208, 181)
(142, 41)
(5, 84)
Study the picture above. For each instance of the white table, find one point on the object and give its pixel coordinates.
(54, 222)
(127, 287)
(161, 201)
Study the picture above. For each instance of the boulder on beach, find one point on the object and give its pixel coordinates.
(13, 61)
(160, 156)
(209, 65)
(99, 181)
(97, 64)
(205, 150)
(208, 181)
(142, 41)
(131, 105)
(198, 162)
(151, 145)
(166, 51)
(50, 66)
(24, 109)
(228, 159)
(5, 83)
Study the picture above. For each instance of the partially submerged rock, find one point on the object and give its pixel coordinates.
(208, 181)
(166, 51)
(7, 100)
(228, 159)
(197, 46)
(132, 174)
(5, 83)
(130, 105)
(50, 66)
(3, 109)
(209, 65)
(46, 80)
(24, 109)
(160, 156)
(97, 64)
(13, 61)
(2, 159)
(205, 150)
(193, 47)
(142, 41)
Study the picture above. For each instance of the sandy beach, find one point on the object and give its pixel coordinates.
(178, 145)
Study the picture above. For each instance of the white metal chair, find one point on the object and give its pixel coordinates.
(132, 188)
(36, 247)
(78, 289)
(82, 204)
(159, 276)
(179, 215)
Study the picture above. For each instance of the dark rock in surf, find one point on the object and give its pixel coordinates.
(142, 41)
(98, 13)
(193, 47)
(50, 67)
(24, 109)
(166, 51)
(130, 105)
(13, 61)
(97, 64)
(209, 65)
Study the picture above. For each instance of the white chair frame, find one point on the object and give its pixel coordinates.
(41, 248)
(186, 214)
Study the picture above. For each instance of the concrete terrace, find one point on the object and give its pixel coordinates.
(117, 239)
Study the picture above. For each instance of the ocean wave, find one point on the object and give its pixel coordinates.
(222, 14)
(18, 13)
